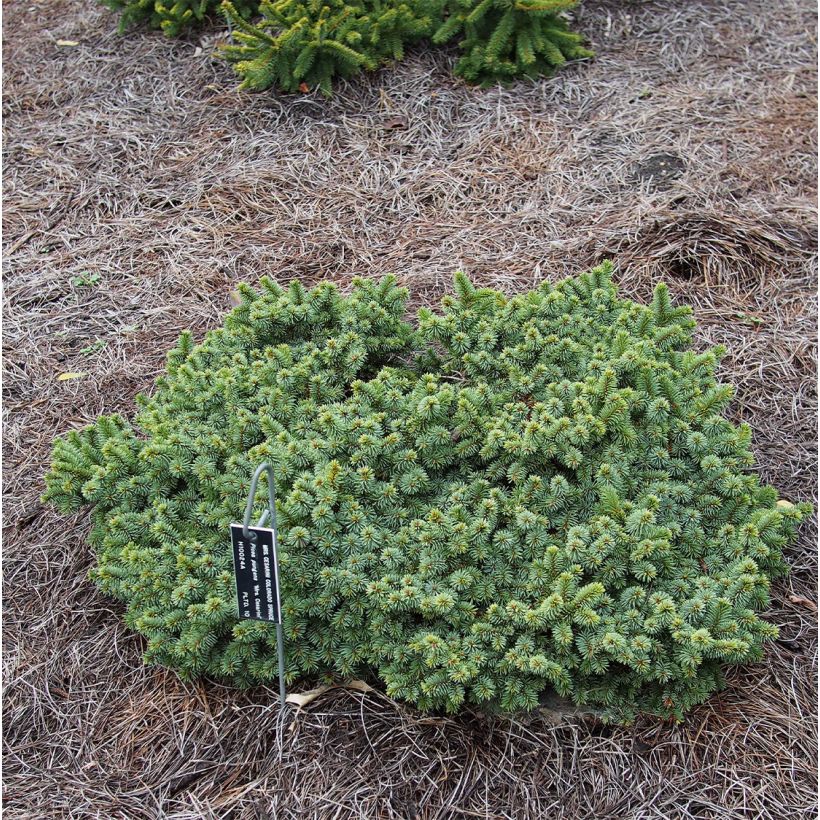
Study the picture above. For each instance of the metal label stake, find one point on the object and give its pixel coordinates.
(256, 567)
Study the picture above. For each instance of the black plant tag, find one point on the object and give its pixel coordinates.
(257, 577)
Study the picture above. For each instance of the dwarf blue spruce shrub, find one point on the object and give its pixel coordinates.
(515, 495)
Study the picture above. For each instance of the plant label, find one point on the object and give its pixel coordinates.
(257, 574)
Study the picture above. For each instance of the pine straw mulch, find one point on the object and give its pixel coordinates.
(140, 187)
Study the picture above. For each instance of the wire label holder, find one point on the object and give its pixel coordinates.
(256, 567)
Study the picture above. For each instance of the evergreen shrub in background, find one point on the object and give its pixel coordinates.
(298, 44)
(501, 40)
(514, 495)
(312, 42)
(173, 17)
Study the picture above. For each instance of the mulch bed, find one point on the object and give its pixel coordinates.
(140, 187)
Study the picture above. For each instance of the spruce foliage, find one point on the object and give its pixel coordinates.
(518, 494)
(294, 44)
(312, 42)
(174, 17)
(505, 39)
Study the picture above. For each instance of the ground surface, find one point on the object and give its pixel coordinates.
(139, 188)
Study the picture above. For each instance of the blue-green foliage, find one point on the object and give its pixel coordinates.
(519, 494)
